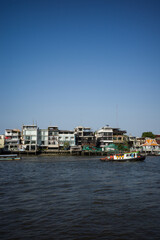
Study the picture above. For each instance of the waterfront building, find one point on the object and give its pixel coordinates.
(43, 138)
(157, 137)
(135, 143)
(139, 141)
(84, 136)
(30, 137)
(150, 146)
(12, 139)
(53, 138)
(132, 141)
(118, 136)
(104, 136)
(66, 139)
(1, 141)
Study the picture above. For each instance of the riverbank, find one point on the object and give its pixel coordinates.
(64, 153)
(56, 153)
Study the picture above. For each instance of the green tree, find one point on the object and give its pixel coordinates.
(66, 145)
(148, 134)
(122, 147)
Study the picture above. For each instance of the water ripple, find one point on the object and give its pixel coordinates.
(79, 198)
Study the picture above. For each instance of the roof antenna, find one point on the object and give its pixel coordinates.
(117, 115)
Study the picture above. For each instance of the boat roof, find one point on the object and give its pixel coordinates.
(13, 155)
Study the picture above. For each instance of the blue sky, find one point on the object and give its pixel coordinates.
(90, 63)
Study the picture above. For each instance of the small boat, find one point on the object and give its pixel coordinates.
(130, 156)
(9, 157)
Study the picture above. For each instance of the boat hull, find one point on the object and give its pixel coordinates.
(9, 158)
(141, 158)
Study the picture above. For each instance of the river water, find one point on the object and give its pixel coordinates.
(79, 198)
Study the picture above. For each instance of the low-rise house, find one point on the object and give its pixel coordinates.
(157, 137)
(12, 139)
(66, 139)
(30, 137)
(104, 137)
(84, 136)
(135, 143)
(150, 146)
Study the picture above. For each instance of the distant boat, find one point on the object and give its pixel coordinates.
(9, 157)
(130, 156)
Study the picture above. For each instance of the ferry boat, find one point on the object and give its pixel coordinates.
(129, 156)
(9, 157)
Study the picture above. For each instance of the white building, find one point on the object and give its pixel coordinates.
(1, 141)
(104, 136)
(43, 138)
(30, 137)
(66, 138)
(12, 139)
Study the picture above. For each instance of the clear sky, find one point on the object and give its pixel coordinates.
(80, 62)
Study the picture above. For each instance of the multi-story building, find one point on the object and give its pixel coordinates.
(53, 137)
(12, 139)
(139, 142)
(66, 138)
(30, 137)
(84, 136)
(43, 138)
(118, 136)
(104, 136)
(132, 142)
(1, 141)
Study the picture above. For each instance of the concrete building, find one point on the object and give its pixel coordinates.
(53, 138)
(118, 136)
(139, 142)
(104, 136)
(12, 139)
(66, 139)
(1, 141)
(30, 137)
(84, 136)
(132, 142)
(157, 138)
(43, 138)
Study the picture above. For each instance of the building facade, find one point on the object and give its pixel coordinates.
(150, 146)
(84, 136)
(118, 136)
(53, 138)
(104, 136)
(12, 139)
(30, 137)
(1, 141)
(43, 138)
(66, 139)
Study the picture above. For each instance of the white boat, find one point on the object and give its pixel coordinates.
(129, 156)
(9, 157)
